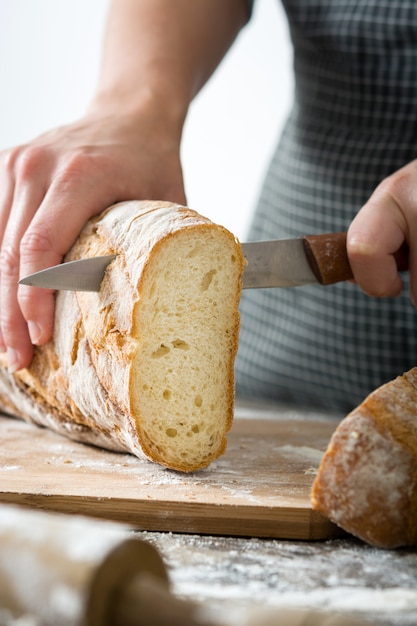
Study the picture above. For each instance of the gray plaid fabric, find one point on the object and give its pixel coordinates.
(354, 122)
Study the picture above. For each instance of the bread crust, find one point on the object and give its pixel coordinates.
(80, 383)
(367, 480)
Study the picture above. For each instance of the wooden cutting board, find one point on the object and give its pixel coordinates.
(260, 487)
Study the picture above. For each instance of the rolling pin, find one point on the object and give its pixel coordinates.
(72, 571)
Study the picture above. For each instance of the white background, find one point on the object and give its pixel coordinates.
(49, 60)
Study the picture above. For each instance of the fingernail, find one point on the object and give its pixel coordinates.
(35, 332)
(13, 360)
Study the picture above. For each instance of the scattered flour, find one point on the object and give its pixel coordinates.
(304, 451)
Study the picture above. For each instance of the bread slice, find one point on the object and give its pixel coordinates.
(367, 480)
(146, 364)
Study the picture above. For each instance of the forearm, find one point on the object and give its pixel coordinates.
(157, 55)
(163, 51)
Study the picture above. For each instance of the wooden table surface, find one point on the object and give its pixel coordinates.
(259, 488)
(231, 574)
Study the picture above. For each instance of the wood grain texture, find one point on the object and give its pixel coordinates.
(260, 487)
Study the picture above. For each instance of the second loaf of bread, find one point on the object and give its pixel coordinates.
(146, 364)
(367, 480)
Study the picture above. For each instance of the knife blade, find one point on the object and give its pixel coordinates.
(313, 259)
(80, 275)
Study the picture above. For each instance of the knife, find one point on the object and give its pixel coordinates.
(313, 259)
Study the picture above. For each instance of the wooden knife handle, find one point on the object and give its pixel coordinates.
(328, 258)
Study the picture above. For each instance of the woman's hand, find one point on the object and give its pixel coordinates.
(157, 55)
(383, 224)
(48, 190)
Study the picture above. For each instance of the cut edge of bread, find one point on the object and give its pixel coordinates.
(185, 326)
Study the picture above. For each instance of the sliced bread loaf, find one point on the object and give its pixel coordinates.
(146, 364)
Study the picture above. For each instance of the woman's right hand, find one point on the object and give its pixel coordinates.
(386, 223)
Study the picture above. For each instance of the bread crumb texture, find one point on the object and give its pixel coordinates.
(367, 480)
(146, 364)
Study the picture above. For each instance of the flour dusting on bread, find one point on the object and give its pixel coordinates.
(367, 480)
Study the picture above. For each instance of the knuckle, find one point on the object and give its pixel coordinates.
(28, 160)
(35, 242)
(398, 185)
(9, 158)
(9, 259)
(359, 249)
(79, 163)
(388, 188)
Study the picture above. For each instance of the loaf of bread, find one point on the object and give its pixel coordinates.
(145, 365)
(367, 480)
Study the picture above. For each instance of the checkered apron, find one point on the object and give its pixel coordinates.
(354, 121)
